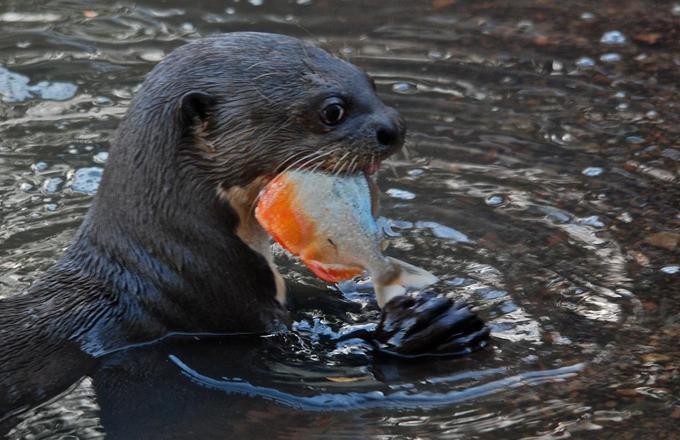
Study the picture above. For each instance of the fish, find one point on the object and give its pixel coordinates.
(328, 222)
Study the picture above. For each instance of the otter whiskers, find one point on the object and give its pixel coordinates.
(301, 162)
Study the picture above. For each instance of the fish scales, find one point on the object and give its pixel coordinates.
(328, 222)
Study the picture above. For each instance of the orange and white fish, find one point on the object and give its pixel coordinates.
(328, 222)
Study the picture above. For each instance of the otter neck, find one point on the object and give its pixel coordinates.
(159, 221)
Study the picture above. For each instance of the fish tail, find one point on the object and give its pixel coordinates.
(409, 277)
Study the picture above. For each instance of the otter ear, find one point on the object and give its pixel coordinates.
(196, 105)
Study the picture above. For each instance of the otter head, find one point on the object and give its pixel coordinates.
(262, 103)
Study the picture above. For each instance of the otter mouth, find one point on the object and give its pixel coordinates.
(334, 163)
(372, 168)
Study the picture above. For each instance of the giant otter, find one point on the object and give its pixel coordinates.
(170, 244)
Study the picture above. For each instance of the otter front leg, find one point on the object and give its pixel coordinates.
(409, 327)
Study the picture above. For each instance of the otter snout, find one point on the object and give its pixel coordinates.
(390, 131)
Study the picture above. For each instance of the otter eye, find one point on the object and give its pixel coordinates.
(333, 111)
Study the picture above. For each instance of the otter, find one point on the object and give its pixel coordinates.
(170, 243)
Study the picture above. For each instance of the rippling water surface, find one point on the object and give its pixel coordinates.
(540, 183)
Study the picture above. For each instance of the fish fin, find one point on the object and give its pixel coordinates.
(333, 273)
(410, 277)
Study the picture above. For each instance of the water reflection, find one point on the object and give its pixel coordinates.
(540, 169)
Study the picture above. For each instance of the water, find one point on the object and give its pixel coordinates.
(540, 183)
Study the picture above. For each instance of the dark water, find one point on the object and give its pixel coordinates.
(540, 182)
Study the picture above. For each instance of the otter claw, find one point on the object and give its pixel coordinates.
(429, 325)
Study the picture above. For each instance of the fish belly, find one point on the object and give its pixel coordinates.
(325, 220)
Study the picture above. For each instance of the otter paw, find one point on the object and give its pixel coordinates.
(429, 325)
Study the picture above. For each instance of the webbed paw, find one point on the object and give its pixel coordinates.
(429, 325)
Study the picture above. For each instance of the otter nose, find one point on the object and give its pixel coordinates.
(390, 132)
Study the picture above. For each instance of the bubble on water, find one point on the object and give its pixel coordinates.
(230, 11)
(101, 157)
(86, 180)
(624, 292)
(416, 172)
(72, 151)
(405, 88)
(625, 217)
(14, 88)
(450, 234)
(613, 38)
(437, 55)
(623, 106)
(256, 2)
(39, 166)
(585, 62)
(525, 25)
(400, 194)
(102, 100)
(303, 2)
(122, 93)
(25, 187)
(152, 55)
(635, 140)
(445, 232)
(26, 17)
(592, 171)
(56, 91)
(188, 27)
(610, 58)
(652, 114)
(163, 13)
(557, 216)
(52, 184)
(495, 200)
(671, 270)
(51, 206)
(593, 221)
(557, 338)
